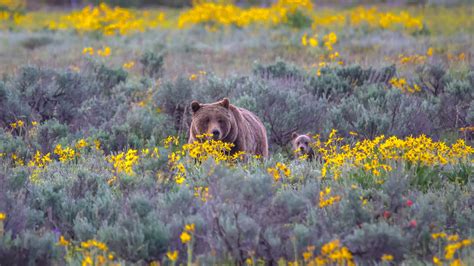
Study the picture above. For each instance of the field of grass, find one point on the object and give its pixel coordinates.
(95, 168)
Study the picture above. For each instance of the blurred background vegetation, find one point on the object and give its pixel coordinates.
(182, 3)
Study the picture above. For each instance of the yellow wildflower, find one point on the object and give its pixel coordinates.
(185, 237)
(189, 227)
(172, 255)
(97, 144)
(387, 257)
(63, 241)
(105, 52)
(313, 41)
(87, 261)
(453, 238)
(429, 52)
(82, 143)
(304, 40)
(88, 50)
(438, 235)
(128, 65)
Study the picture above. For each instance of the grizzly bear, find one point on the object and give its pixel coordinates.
(231, 124)
(301, 145)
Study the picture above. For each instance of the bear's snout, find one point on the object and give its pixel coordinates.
(215, 134)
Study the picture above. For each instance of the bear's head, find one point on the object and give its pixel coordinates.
(301, 144)
(215, 119)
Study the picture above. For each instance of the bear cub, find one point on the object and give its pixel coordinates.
(301, 145)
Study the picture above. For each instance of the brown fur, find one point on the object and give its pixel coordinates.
(230, 124)
(301, 145)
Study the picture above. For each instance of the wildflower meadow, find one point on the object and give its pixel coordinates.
(95, 112)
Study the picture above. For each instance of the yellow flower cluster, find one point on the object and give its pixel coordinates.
(172, 255)
(369, 17)
(66, 154)
(303, 157)
(90, 252)
(177, 166)
(124, 162)
(311, 41)
(279, 168)
(81, 144)
(411, 59)
(332, 59)
(332, 253)
(187, 235)
(171, 140)
(206, 148)
(104, 52)
(3, 216)
(221, 14)
(196, 76)
(17, 124)
(453, 246)
(12, 4)
(201, 150)
(328, 20)
(128, 65)
(106, 20)
(330, 56)
(416, 58)
(375, 155)
(325, 199)
(17, 160)
(401, 84)
(40, 160)
(328, 40)
(456, 58)
(384, 20)
(94, 243)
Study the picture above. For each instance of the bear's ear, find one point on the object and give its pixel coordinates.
(225, 103)
(195, 105)
(294, 135)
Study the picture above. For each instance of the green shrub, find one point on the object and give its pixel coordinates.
(152, 64)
